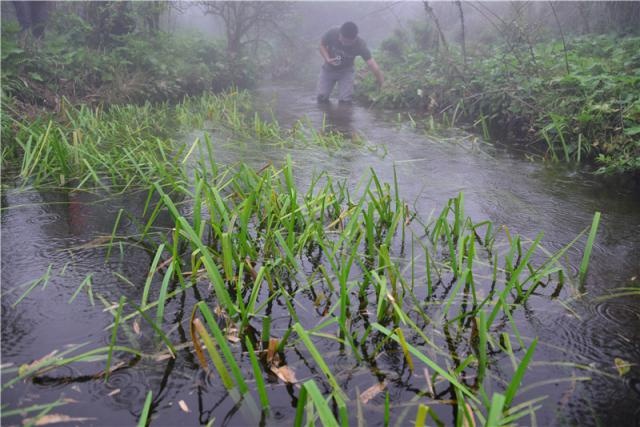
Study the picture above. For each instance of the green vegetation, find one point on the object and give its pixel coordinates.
(88, 148)
(334, 276)
(582, 99)
(299, 284)
(120, 147)
(110, 57)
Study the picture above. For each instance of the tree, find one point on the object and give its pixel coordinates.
(32, 15)
(109, 19)
(245, 19)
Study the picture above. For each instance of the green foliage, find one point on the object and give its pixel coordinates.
(592, 112)
(254, 237)
(77, 60)
(119, 147)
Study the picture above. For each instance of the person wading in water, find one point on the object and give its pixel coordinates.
(339, 48)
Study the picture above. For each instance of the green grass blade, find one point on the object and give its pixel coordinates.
(584, 265)
(144, 415)
(319, 360)
(512, 389)
(496, 409)
(114, 334)
(257, 373)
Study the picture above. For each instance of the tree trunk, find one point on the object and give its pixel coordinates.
(32, 15)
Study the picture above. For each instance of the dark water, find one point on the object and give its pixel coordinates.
(57, 229)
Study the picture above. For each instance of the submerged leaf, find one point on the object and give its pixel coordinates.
(136, 327)
(622, 366)
(54, 419)
(272, 355)
(372, 391)
(285, 373)
(24, 369)
(183, 406)
(196, 342)
(232, 335)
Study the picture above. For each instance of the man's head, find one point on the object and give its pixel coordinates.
(348, 33)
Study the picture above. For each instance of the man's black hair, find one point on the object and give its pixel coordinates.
(349, 30)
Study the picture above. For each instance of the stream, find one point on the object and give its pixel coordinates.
(52, 230)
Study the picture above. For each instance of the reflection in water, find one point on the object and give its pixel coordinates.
(338, 117)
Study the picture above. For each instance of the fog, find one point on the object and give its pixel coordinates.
(295, 31)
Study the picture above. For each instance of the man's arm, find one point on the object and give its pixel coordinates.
(373, 66)
(324, 52)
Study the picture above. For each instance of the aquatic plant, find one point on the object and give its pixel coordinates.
(334, 269)
(260, 237)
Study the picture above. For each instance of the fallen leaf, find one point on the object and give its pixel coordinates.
(136, 327)
(427, 377)
(114, 368)
(196, 325)
(468, 420)
(272, 353)
(622, 366)
(161, 357)
(36, 363)
(232, 335)
(285, 373)
(319, 298)
(53, 419)
(95, 243)
(183, 406)
(372, 392)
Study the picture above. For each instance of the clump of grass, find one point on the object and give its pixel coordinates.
(116, 149)
(259, 235)
(371, 276)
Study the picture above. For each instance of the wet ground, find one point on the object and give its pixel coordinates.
(58, 229)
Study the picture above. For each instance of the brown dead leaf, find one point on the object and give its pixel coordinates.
(95, 243)
(136, 327)
(319, 299)
(162, 356)
(36, 363)
(164, 264)
(372, 392)
(196, 325)
(252, 270)
(468, 420)
(183, 406)
(285, 373)
(272, 352)
(427, 377)
(54, 419)
(113, 368)
(232, 335)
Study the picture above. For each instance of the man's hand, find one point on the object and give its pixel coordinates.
(373, 66)
(334, 61)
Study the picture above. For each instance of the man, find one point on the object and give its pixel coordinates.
(339, 48)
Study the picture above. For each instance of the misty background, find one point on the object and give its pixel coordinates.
(285, 35)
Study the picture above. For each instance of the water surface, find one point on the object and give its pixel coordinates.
(62, 231)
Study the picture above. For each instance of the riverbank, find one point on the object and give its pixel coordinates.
(580, 100)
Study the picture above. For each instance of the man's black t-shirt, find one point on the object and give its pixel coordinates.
(345, 54)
